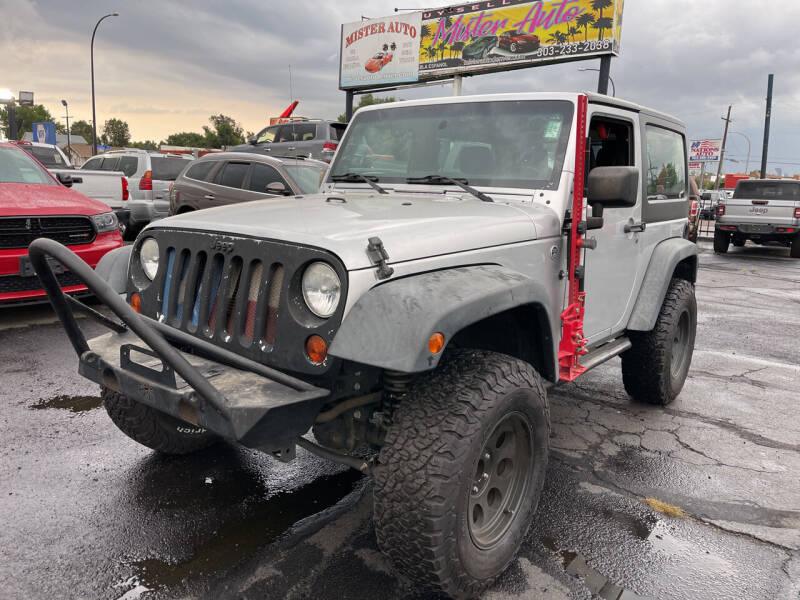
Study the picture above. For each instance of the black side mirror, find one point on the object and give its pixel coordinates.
(277, 188)
(252, 140)
(610, 187)
(67, 180)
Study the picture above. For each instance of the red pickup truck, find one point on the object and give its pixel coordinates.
(33, 204)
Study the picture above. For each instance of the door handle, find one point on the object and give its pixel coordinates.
(635, 227)
(209, 196)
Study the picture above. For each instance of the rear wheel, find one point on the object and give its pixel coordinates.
(654, 369)
(154, 429)
(794, 250)
(721, 241)
(461, 472)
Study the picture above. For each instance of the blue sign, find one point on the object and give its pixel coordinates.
(44, 133)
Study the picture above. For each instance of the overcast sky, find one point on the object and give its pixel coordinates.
(165, 66)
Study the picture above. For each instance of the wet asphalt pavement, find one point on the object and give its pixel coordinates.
(698, 500)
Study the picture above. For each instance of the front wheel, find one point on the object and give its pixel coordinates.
(461, 472)
(654, 369)
(721, 241)
(154, 429)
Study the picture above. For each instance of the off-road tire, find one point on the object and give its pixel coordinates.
(427, 470)
(647, 367)
(794, 249)
(154, 429)
(721, 241)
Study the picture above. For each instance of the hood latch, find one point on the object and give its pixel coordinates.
(378, 255)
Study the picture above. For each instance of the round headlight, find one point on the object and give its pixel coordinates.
(321, 289)
(148, 257)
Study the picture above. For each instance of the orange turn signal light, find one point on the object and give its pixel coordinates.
(136, 302)
(316, 349)
(436, 343)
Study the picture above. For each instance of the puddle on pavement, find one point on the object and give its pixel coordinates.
(262, 521)
(74, 404)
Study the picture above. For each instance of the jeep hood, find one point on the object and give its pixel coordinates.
(411, 226)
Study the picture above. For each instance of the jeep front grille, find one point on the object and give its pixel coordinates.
(240, 293)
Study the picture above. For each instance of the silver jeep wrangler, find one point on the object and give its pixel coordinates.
(463, 254)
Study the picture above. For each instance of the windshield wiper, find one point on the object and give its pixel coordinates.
(442, 180)
(359, 177)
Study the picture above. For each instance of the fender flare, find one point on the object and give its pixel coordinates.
(663, 262)
(389, 326)
(113, 268)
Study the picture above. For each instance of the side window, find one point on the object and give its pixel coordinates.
(262, 176)
(92, 163)
(200, 170)
(611, 143)
(128, 165)
(110, 163)
(267, 135)
(232, 174)
(666, 172)
(297, 132)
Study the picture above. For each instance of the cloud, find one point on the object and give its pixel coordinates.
(166, 66)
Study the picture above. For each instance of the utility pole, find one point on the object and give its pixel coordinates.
(766, 127)
(722, 152)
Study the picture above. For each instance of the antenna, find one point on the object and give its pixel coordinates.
(291, 93)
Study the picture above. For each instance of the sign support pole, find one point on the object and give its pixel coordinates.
(767, 117)
(348, 105)
(605, 73)
(457, 85)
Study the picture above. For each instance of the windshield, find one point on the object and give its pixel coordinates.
(514, 144)
(49, 157)
(18, 167)
(768, 190)
(307, 177)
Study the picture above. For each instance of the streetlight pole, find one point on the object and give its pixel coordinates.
(91, 51)
(613, 87)
(69, 146)
(747, 163)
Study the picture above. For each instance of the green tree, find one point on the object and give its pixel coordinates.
(83, 129)
(585, 20)
(187, 138)
(225, 132)
(26, 116)
(116, 133)
(368, 100)
(145, 145)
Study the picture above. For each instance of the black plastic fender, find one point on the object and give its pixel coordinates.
(113, 268)
(389, 326)
(664, 260)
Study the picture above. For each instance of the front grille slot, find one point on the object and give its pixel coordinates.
(231, 298)
(19, 232)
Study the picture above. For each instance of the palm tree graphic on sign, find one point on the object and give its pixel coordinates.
(585, 20)
(602, 23)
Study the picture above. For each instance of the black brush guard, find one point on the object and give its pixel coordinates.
(251, 403)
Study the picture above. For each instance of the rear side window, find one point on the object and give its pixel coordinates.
(167, 169)
(768, 190)
(128, 165)
(200, 170)
(93, 163)
(666, 175)
(110, 164)
(297, 132)
(262, 176)
(232, 174)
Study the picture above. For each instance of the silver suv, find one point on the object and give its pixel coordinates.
(462, 252)
(312, 139)
(149, 177)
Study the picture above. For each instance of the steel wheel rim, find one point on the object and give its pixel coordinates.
(500, 482)
(680, 341)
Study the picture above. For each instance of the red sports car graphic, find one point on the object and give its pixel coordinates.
(381, 59)
(518, 41)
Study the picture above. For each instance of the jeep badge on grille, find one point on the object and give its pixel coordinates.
(221, 245)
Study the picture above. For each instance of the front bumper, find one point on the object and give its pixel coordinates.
(202, 384)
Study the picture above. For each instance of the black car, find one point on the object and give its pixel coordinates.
(479, 47)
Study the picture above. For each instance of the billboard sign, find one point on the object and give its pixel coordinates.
(44, 133)
(705, 150)
(378, 52)
(480, 37)
(497, 35)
